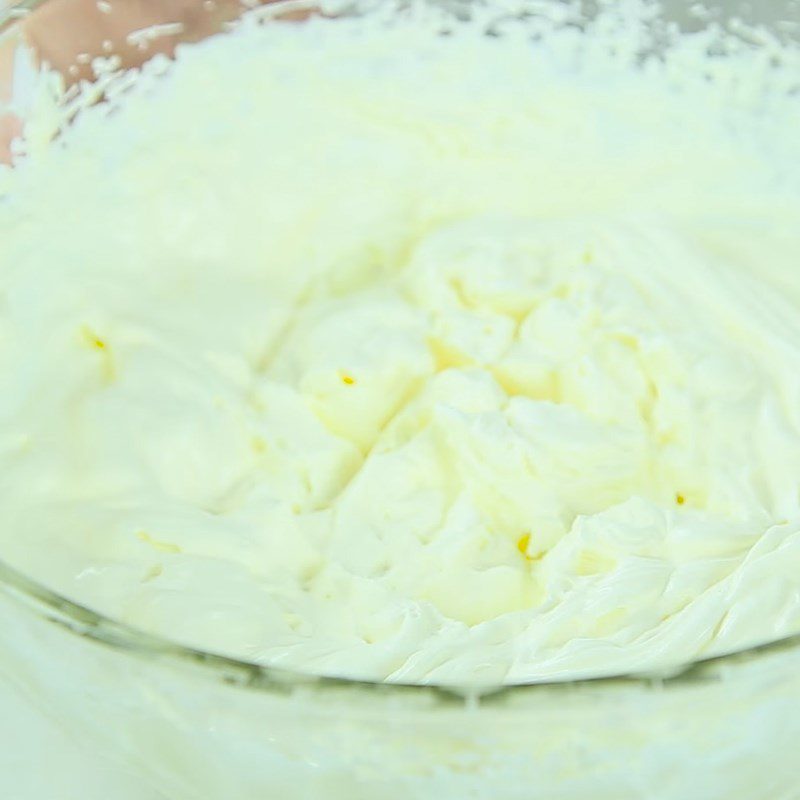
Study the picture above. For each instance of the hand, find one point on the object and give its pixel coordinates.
(68, 34)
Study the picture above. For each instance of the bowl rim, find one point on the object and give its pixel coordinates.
(80, 620)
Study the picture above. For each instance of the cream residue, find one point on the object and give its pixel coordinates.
(365, 351)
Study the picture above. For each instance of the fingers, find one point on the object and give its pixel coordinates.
(67, 34)
(10, 125)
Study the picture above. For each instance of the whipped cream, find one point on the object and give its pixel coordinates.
(355, 349)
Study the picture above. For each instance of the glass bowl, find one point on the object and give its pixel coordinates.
(193, 725)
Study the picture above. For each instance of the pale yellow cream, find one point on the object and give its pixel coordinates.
(364, 351)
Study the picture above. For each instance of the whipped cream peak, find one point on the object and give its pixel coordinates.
(413, 358)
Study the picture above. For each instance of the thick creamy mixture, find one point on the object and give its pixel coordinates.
(367, 351)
